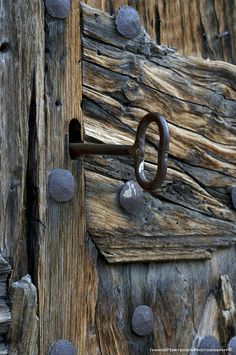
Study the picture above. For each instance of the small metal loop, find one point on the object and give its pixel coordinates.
(151, 185)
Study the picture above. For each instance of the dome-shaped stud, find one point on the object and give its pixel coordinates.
(128, 22)
(63, 347)
(61, 185)
(58, 8)
(233, 196)
(232, 346)
(209, 345)
(131, 197)
(143, 321)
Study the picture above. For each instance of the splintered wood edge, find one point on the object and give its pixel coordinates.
(5, 315)
(24, 329)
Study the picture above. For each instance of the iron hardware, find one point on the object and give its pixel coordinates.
(128, 22)
(143, 321)
(61, 185)
(131, 197)
(58, 8)
(137, 151)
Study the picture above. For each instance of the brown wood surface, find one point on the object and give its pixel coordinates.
(41, 94)
(24, 331)
(191, 26)
(192, 212)
(190, 299)
(64, 267)
(81, 297)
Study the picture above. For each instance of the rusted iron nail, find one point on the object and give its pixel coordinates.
(223, 34)
(143, 320)
(233, 196)
(128, 22)
(232, 346)
(131, 197)
(58, 8)
(63, 347)
(61, 185)
(209, 345)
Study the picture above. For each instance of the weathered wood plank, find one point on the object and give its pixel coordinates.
(24, 331)
(228, 310)
(64, 269)
(211, 33)
(123, 80)
(20, 28)
(5, 315)
(184, 297)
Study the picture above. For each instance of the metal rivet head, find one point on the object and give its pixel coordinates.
(232, 346)
(58, 8)
(131, 197)
(128, 22)
(61, 185)
(143, 320)
(233, 196)
(211, 343)
(63, 347)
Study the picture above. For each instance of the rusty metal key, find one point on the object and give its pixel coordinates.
(137, 151)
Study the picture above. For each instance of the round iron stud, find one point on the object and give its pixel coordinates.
(209, 345)
(61, 185)
(58, 8)
(143, 321)
(232, 346)
(63, 347)
(128, 22)
(131, 197)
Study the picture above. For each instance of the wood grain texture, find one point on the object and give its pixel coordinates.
(5, 315)
(41, 92)
(63, 264)
(191, 213)
(23, 334)
(194, 27)
(228, 311)
(20, 35)
(185, 298)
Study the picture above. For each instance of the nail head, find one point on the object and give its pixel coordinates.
(131, 197)
(143, 321)
(61, 185)
(232, 346)
(128, 22)
(63, 347)
(209, 343)
(58, 8)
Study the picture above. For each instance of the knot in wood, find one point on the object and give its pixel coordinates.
(58, 8)
(128, 22)
(143, 321)
(61, 185)
(63, 347)
(209, 345)
(131, 197)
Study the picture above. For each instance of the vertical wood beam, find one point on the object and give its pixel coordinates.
(65, 269)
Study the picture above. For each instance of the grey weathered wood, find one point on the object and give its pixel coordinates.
(5, 316)
(20, 56)
(191, 214)
(183, 296)
(24, 330)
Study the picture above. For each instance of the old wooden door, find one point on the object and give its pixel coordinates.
(75, 263)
